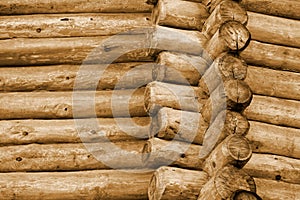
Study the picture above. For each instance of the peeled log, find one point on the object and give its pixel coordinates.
(17, 132)
(274, 167)
(71, 157)
(175, 183)
(272, 56)
(274, 111)
(54, 105)
(96, 184)
(180, 68)
(180, 14)
(172, 124)
(272, 139)
(70, 25)
(9, 7)
(181, 97)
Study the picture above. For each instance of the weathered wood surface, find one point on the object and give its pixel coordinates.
(96, 184)
(244, 194)
(9, 7)
(70, 25)
(274, 111)
(272, 56)
(182, 97)
(274, 167)
(175, 183)
(181, 125)
(17, 132)
(180, 68)
(66, 104)
(275, 83)
(276, 190)
(158, 152)
(274, 30)
(64, 157)
(283, 8)
(272, 139)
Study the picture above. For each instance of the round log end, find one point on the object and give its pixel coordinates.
(230, 10)
(146, 152)
(239, 149)
(235, 123)
(232, 67)
(245, 195)
(154, 190)
(149, 106)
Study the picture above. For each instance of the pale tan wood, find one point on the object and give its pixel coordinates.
(85, 185)
(158, 152)
(275, 83)
(274, 30)
(272, 139)
(181, 125)
(175, 183)
(71, 25)
(61, 104)
(154, 2)
(276, 190)
(211, 4)
(274, 110)
(71, 157)
(274, 167)
(182, 97)
(75, 6)
(283, 8)
(272, 56)
(17, 132)
(180, 68)
(180, 14)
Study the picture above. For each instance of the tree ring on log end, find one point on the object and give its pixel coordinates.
(239, 148)
(238, 92)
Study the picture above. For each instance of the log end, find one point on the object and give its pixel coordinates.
(245, 195)
(155, 190)
(235, 123)
(231, 66)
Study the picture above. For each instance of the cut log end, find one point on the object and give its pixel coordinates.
(239, 148)
(146, 152)
(236, 123)
(154, 190)
(245, 195)
(233, 67)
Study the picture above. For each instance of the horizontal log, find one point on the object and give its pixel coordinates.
(274, 111)
(274, 167)
(180, 14)
(180, 125)
(272, 56)
(120, 103)
(182, 97)
(9, 7)
(272, 139)
(279, 30)
(63, 77)
(175, 183)
(70, 25)
(17, 132)
(71, 157)
(276, 190)
(96, 184)
(283, 8)
(275, 83)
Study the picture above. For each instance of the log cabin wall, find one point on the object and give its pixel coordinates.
(204, 52)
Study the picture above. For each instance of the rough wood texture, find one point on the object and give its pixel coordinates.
(274, 110)
(272, 56)
(274, 30)
(225, 11)
(274, 167)
(245, 195)
(16, 132)
(180, 14)
(65, 104)
(182, 97)
(8, 7)
(211, 4)
(172, 124)
(96, 184)
(175, 183)
(234, 150)
(180, 68)
(283, 8)
(225, 183)
(225, 66)
(62, 77)
(159, 152)
(70, 25)
(275, 83)
(276, 190)
(64, 157)
(231, 36)
(285, 141)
